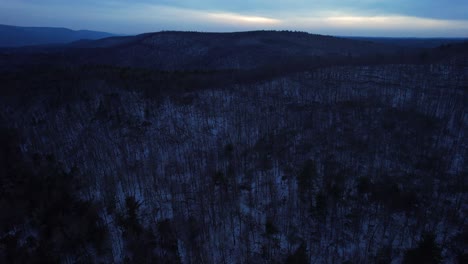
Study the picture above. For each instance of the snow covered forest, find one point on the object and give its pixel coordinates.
(336, 163)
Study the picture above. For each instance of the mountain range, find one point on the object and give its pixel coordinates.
(173, 50)
(14, 36)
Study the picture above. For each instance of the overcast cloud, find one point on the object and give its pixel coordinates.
(418, 18)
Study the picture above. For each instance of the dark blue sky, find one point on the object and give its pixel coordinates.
(418, 18)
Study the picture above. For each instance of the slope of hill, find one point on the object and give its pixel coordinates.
(243, 50)
(14, 36)
(210, 51)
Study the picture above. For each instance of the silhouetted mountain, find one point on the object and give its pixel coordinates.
(210, 51)
(182, 51)
(14, 36)
(243, 50)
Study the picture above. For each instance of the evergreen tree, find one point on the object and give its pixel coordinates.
(299, 256)
(427, 251)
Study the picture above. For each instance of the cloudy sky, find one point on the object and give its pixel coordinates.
(397, 18)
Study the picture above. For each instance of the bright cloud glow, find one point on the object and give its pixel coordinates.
(381, 25)
(238, 19)
(188, 17)
(387, 22)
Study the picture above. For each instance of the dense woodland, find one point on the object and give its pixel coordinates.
(345, 158)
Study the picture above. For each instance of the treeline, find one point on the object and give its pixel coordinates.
(29, 79)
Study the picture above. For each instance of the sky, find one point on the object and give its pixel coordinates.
(380, 18)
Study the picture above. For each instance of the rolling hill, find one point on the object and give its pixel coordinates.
(206, 51)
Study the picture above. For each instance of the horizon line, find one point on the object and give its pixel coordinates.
(243, 31)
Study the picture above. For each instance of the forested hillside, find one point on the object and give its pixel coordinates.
(357, 158)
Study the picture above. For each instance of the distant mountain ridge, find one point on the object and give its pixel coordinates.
(174, 50)
(15, 36)
(193, 51)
